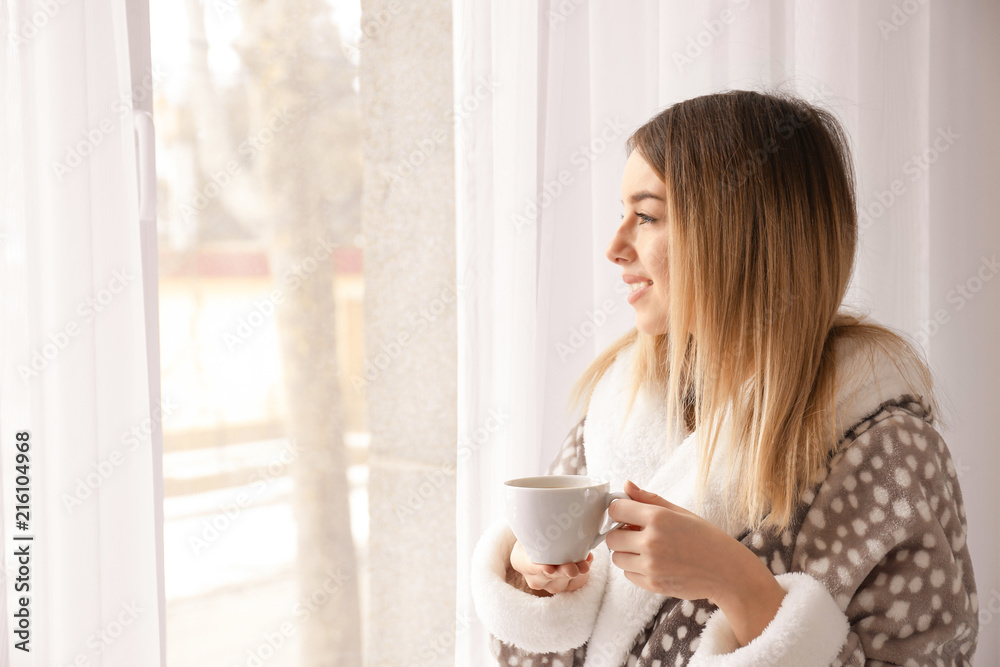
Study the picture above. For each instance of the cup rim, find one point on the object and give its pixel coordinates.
(595, 482)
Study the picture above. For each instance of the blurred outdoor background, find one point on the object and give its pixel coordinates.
(261, 286)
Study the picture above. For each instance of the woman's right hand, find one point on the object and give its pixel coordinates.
(546, 580)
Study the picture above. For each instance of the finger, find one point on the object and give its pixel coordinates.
(555, 585)
(628, 562)
(629, 511)
(558, 586)
(643, 496)
(569, 570)
(565, 571)
(624, 540)
(540, 584)
(638, 579)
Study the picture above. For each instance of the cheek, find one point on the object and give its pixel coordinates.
(658, 267)
(658, 257)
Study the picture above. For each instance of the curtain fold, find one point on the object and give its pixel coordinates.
(539, 182)
(73, 339)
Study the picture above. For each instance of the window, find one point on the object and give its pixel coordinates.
(261, 329)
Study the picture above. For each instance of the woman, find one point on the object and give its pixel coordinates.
(791, 502)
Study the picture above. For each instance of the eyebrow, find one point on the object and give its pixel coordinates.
(639, 196)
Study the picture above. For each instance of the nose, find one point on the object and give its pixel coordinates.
(620, 249)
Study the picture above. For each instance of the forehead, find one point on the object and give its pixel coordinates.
(639, 176)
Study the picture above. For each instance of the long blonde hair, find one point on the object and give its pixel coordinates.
(763, 232)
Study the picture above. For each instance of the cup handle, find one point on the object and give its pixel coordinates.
(617, 495)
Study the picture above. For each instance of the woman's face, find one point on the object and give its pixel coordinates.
(639, 246)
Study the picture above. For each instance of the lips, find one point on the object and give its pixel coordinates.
(637, 286)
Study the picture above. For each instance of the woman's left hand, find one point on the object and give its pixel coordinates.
(671, 551)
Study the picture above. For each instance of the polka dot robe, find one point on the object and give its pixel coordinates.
(884, 532)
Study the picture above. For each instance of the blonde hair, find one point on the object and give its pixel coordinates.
(763, 232)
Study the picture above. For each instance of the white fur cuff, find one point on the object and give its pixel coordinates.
(808, 630)
(541, 625)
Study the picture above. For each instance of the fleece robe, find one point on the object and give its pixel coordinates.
(875, 563)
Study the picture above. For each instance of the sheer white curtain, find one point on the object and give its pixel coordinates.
(77, 340)
(539, 179)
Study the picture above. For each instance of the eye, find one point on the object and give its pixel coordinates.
(643, 218)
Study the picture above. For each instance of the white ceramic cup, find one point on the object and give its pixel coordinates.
(559, 518)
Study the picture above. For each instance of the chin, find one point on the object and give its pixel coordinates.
(649, 327)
